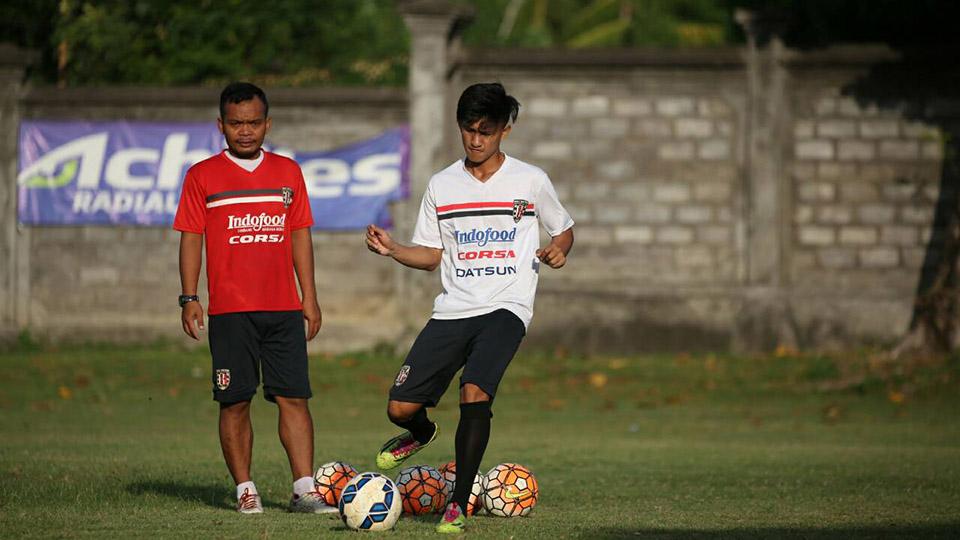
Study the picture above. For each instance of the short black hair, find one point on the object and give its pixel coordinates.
(236, 92)
(486, 101)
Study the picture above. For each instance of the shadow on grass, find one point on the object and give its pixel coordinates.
(214, 495)
(430, 518)
(940, 530)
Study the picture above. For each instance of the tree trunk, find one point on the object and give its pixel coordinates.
(932, 328)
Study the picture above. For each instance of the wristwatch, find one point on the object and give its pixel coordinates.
(184, 298)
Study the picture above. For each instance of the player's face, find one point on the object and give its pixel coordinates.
(244, 125)
(481, 139)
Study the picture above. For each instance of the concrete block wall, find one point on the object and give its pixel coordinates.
(120, 283)
(865, 183)
(867, 158)
(653, 157)
(646, 162)
(647, 155)
(722, 199)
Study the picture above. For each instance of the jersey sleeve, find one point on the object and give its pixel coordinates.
(192, 210)
(553, 216)
(427, 231)
(300, 214)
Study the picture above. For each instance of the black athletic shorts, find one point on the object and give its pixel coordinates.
(483, 346)
(245, 344)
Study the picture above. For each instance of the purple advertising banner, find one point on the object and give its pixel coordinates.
(130, 173)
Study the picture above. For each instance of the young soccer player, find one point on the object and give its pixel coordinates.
(251, 207)
(479, 221)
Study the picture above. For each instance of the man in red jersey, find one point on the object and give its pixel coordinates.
(251, 206)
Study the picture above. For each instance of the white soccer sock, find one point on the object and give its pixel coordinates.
(246, 485)
(303, 485)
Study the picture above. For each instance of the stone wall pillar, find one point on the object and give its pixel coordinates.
(765, 320)
(432, 25)
(14, 252)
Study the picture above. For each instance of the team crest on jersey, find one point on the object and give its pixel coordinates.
(223, 379)
(287, 196)
(519, 207)
(402, 376)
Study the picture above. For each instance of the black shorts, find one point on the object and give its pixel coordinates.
(483, 346)
(244, 344)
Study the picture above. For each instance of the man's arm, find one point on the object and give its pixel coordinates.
(555, 253)
(191, 257)
(419, 257)
(303, 265)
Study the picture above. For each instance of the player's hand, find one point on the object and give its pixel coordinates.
(379, 241)
(313, 316)
(191, 316)
(552, 255)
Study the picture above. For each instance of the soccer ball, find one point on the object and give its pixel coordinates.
(330, 479)
(421, 489)
(370, 502)
(509, 490)
(449, 473)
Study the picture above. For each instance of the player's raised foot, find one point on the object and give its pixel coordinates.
(400, 448)
(310, 502)
(453, 520)
(249, 503)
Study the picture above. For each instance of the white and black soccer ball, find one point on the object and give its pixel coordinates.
(330, 480)
(510, 490)
(370, 502)
(421, 489)
(449, 473)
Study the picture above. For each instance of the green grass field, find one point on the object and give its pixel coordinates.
(121, 442)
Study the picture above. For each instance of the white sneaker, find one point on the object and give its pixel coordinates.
(311, 502)
(249, 503)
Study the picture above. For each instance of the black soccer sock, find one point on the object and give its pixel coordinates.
(419, 426)
(473, 433)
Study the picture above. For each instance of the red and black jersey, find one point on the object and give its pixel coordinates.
(246, 218)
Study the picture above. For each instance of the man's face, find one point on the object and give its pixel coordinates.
(481, 139)
(244, 125)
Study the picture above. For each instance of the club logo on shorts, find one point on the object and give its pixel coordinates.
(519, 207)
(402, 376)
(223, 379)
(287, 196)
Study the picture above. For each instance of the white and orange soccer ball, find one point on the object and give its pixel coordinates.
(449, 473)
(510, 490)
(330, 480)
(421, 490)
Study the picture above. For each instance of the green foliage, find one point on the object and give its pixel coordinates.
(817, 23)
(698, 23)
(26, 342)
(316, 42)
(176, 42)
(600, 23)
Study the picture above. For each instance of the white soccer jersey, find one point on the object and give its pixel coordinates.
(489, 235)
